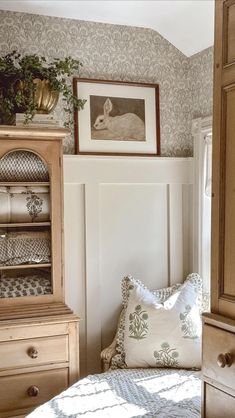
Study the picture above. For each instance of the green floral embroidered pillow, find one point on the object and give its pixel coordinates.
(166, 334)
(128, 284)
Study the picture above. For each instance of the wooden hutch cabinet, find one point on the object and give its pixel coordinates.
(219, 326)
(38, 332)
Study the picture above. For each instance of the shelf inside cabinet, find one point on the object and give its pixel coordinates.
(24, 183)
(24, 224)
(25, 266)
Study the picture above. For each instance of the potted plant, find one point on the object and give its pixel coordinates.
(29, 84)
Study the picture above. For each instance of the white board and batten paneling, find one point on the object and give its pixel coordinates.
(122, 216)
(202, 134)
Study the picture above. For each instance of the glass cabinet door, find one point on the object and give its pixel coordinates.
(25, 226)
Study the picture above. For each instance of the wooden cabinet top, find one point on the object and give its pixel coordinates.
(16, 132)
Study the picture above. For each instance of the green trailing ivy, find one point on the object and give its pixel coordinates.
(18, 70)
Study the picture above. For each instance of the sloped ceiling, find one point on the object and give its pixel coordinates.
(187, 24)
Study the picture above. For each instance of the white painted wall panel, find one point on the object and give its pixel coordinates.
(122, 215)
(133, 239)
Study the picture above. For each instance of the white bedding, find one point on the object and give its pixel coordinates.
(162, 393)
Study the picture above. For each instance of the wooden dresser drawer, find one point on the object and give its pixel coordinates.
(30, 352)
(217, 341)
(218, 404)
(31, 389)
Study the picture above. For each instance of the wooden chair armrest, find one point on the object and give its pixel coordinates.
(109, 352)
(107, 355)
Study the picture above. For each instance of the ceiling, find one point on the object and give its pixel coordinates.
(187, 24)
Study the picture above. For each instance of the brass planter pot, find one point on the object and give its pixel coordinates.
(45, 98)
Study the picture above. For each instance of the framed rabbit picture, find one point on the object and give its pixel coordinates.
(119, 118)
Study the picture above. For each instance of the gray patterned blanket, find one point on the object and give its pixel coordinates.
(24, 247)
(162, 393)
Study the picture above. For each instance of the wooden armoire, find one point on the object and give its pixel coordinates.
(219, 326)
(38, 332)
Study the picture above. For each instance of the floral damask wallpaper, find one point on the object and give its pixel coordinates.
(201, 83)
(122, 53)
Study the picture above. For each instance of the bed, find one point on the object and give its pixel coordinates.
(127, 391)
(162, 393)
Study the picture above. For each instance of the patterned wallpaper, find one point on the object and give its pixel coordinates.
(201, 83)
(122, 53)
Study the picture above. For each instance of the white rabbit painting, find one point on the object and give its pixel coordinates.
(119, 125)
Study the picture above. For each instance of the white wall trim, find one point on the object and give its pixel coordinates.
(201, 131)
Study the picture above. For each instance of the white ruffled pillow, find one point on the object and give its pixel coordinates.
(162, 328)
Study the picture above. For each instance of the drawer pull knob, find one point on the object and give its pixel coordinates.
(33, 391)
(33, 352)
(224, 360)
